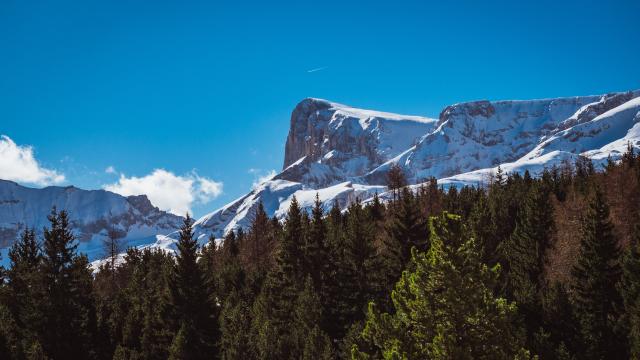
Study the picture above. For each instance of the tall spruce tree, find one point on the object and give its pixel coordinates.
(315, 252)
(629, 288)
(526, 254)
(405, 229)
(273, 310)
(197, 335)
(311, 342)
(483, 228)
(235, 325)
(360, 262)
(69, 313)
(26, 292)
(595, 276)
(559, 324)
(259, 241)
(149, 319)
(235, 315)
(445, 306)
(335, 322)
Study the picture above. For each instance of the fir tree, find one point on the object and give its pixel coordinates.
(359, 262)
(526, 254)
(235, 324)
(69, 314)
(259, 241)
(335, 321)
(559, 320)
(273, 310)
(197, 335)
(25, 290)
(595, 276)
(629, 288)
(376, 210)
(310, 341)
(483, 229)
(405, 229)
(445, 307)
(315, 253)
(149, 317)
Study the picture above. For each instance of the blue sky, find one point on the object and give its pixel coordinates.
(204, 89)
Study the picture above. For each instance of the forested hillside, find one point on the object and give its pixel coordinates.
(524, 267)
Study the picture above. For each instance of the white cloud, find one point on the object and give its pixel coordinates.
(110, 169)
(168, 191)
(209, 189)
(17, 163)
(259, 179)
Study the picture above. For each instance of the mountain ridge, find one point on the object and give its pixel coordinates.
(342, 153)
(92, 214)
(462, 147)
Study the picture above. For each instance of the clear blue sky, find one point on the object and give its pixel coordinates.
(183, 85)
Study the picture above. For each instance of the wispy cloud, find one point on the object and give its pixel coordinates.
(260, 176)
(317, 69)
(110, 169)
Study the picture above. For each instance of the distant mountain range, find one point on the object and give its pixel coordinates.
(93, 213)
(343, 153)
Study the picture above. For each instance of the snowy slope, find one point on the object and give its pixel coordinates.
(342, 153)
(92, 213)
(602, 135)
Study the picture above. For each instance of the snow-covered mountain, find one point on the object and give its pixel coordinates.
(92, 213)
(342, 153)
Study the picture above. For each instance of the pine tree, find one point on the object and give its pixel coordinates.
(69, 313)
(148, 318)
(376, 210)
(230, 275)
(629, 288)
(259, 241)
(235, 324)
(483, 229)
(185, 344)
(359, 263)
(405, 229)
(273, 310)
(315, 253)
(24, 285)
(445, 307)
(197, 334)
(334, 307)
(559, 320)
(595, 276)
(396, 179)
(310, 341)
(526, 254)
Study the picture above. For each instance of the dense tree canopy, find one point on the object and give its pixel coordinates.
(527, 266)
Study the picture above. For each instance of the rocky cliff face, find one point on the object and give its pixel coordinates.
(92, 213)
(329, 143)
(484, 134)
(341, 153)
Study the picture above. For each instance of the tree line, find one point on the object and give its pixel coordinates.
(519, 268)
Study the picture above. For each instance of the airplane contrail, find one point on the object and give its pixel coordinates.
(317, 69)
